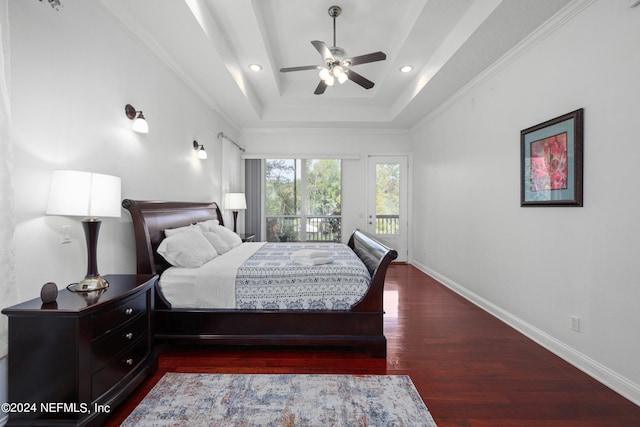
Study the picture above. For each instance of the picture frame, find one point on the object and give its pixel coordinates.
(551, 162)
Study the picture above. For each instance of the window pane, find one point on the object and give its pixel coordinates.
(323, 199)
(281, 192)
(317, 183)
(323, 187)
(387, 198)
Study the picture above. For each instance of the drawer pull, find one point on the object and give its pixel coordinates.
(128, 335)
(128, 311)
(129, 362)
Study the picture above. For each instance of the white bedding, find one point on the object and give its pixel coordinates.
(270, 276)
(191, 287)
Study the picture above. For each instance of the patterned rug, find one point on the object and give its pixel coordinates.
(281, 400)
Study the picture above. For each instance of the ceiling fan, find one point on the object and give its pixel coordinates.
(337, 65)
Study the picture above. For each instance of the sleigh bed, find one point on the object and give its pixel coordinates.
(358, 326)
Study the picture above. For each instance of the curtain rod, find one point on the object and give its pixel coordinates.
(222, 135)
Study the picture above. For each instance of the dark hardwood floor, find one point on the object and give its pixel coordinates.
(470, 368)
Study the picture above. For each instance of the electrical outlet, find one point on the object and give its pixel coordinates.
(575, 324)
(65, 230)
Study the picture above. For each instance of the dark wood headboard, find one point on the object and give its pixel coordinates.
(151, 218)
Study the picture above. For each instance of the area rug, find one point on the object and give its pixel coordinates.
(281, 400)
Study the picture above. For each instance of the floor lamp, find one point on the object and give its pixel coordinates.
(235, 202)
(90, 195)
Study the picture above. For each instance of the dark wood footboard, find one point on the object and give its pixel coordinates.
(360, 328)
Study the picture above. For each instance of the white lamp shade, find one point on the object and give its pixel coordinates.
(140, 125)
(235, 201)
(76, 193)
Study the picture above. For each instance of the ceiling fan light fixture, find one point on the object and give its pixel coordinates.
(336, 63)
(330, 81)
(324, 74)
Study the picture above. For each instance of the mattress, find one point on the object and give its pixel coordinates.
(267, 276)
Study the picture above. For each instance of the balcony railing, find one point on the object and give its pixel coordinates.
(387, 224)
(287, 228)
(318, 228)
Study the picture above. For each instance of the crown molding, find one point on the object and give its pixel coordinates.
(557, 21)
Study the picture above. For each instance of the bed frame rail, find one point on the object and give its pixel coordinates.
(360, 328)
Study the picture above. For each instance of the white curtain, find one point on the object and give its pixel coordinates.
(231, 172)
(8, 292)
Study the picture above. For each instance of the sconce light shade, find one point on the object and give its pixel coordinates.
(140, 124)
(90, 195)
(202, 154)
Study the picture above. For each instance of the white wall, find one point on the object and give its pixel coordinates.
(354, 145)
(71, 78)
(72, 73)
(536, 267)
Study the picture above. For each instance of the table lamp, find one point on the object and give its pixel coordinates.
(235, 201)
(90, 195)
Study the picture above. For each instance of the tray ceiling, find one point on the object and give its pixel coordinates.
(211, 43)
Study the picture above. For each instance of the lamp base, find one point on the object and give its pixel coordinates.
(235, 221)
(90, 284)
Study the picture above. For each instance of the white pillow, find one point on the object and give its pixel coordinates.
(208, 225)
(228, 236)
(188, 249)
(217, 242)
(171, 231)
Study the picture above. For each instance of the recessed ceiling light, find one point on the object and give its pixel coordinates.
(255, 67)
(406, 68)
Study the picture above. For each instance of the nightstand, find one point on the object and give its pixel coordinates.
(74, 360)
(247, 237)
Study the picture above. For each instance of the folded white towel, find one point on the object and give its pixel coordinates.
(312, 261)
(310, 253)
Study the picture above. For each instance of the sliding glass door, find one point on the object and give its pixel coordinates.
(303, 199)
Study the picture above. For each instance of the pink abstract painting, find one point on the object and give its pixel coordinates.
(549, 163)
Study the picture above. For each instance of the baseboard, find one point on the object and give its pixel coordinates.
(606, 376)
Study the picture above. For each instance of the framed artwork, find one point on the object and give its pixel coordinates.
(551, 162)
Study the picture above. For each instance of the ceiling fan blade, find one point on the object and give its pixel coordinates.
(357, 78)
(302, 68)
(322, 86)
(363, 59)
(324, 50)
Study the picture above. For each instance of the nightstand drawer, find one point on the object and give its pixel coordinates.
(78, 351)
(107, 347)
(111, 319)
(118, 368)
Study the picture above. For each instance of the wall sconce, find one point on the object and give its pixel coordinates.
(139, 122)
(202, 154)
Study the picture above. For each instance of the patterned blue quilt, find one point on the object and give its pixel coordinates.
(271, 280)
